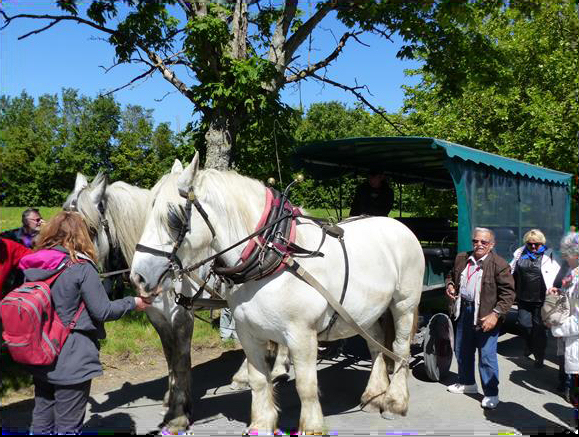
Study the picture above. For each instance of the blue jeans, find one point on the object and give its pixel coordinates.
(470, 338)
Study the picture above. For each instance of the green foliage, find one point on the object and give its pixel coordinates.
(43, 145)
(328, 121)
(527, 109)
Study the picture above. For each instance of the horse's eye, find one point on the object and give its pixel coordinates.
(175, 220)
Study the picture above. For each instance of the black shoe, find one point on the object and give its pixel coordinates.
(539, 364)
(526, 352)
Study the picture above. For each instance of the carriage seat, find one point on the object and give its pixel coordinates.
(431, 228)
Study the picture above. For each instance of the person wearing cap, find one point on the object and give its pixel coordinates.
(482, 290)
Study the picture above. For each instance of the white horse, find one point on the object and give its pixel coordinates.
(123, 208)
(386, 267)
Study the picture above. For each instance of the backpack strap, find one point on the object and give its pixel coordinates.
(51, 280)
(72, 323)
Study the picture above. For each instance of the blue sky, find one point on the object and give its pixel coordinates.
(70, 55)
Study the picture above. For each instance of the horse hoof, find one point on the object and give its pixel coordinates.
(388, 415)
(394, 410)
(370, 407)
(177, 425)
(255, 431)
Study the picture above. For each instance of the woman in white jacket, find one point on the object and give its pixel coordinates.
(568, 330)
(534, 268)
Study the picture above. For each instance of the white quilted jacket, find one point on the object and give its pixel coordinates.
(569, 329)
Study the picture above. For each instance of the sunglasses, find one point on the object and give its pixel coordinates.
(37, 220)
(483, 242)
(534, 244)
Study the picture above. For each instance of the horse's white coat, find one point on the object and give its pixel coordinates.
(386, 271)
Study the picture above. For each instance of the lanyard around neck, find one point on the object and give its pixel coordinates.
(470, 275)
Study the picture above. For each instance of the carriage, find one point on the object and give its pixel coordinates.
(505, 195)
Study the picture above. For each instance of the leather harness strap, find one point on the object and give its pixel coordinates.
(307, 277)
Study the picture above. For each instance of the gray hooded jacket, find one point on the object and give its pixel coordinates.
(79, 358)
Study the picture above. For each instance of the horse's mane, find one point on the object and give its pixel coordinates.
(230, 193)
(125, 211)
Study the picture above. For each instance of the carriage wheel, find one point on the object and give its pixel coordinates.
(437, 346)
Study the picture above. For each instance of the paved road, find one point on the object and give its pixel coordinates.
(528, 401)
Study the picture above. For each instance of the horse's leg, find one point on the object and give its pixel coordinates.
(374, 397)
(280, 369)
(281, 365)
(263, 408)
(179, 414)
(176, 341)
(304, 351)
(387, 321)
(163, 328)
(240, 380)
(403, 312)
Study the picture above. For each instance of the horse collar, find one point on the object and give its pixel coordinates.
(275, 234)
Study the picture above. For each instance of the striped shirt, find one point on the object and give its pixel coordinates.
(470, 279)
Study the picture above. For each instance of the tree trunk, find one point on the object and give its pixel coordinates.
(220, 139)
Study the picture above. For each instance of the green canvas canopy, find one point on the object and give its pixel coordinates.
(503, 194)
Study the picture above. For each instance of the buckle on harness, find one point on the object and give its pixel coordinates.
(176, 271)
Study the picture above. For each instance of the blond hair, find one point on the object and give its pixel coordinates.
(67, 229)
(535, 234)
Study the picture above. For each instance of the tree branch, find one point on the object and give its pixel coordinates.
(360, 97)
(167, 73)
(140, 76)
(56, 18)
(302, 32)
(314, 67)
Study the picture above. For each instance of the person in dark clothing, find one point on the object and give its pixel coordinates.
(534, 268)
(31, 223)
(61, 390)
(373, 197)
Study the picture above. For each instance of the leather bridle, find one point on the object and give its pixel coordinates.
(176, 265)
(115, 258)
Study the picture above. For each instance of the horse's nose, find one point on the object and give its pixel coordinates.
(139, 282)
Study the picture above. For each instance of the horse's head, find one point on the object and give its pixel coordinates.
(89, 200)
(173, 235)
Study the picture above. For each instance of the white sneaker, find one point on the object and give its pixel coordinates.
(461, 388)
(490, 402)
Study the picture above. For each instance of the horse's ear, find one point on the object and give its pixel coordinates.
(98, 185)
(80, 183)
(185, 181)
(177, 167)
